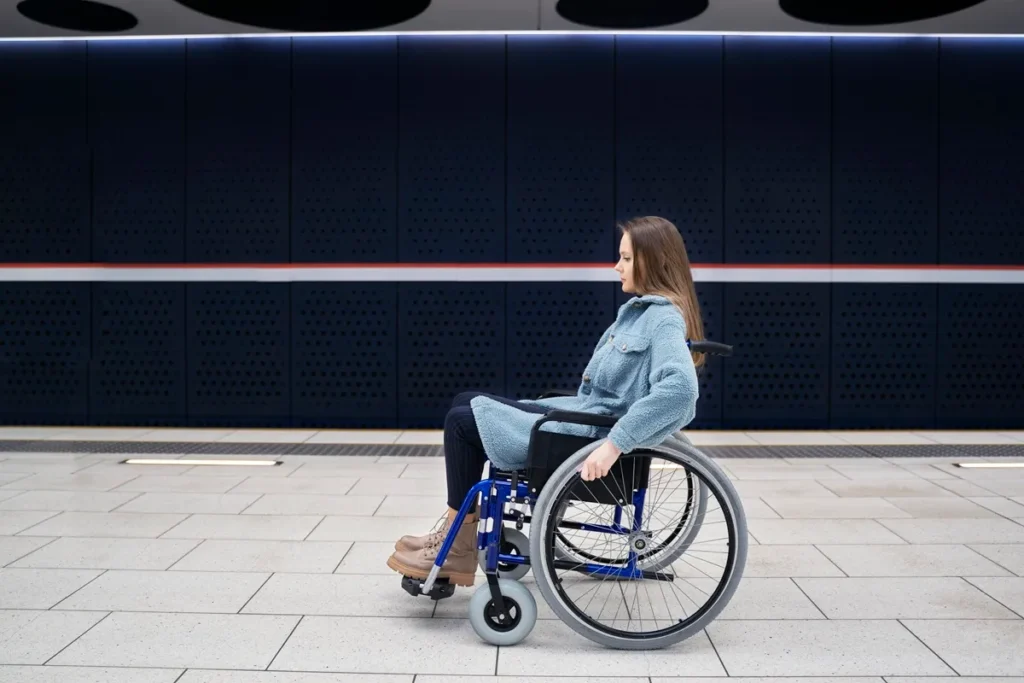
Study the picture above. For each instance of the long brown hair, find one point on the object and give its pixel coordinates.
(661, 266)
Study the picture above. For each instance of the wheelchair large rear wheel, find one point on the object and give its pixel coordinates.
(652, 608)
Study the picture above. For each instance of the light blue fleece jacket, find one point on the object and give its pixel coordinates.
(641, 370)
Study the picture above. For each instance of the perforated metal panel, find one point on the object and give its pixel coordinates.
(779, 375)
(238, 150)
(452, 149)
(139, 352)
(344, 186)
(344, 354)
(44, 352)
(883, 355)
(777, 142)
(137, 127)
(885, 163)
(552, 332)
(668, 159)
(560, 149)
(451, 338)
(44, 152)
(982, 152)
(709, 405)
(238, 353)
(981, 356)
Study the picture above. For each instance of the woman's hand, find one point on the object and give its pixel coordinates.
(600, 461)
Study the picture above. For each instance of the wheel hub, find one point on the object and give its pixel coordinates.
(639, 542)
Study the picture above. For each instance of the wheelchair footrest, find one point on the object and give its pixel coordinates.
(441, 589)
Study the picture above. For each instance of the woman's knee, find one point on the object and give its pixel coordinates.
(464, 398)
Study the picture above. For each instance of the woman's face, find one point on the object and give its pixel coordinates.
(625, 265)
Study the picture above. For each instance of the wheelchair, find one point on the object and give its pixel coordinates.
(633, 553)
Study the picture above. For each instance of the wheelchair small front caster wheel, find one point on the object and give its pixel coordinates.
(520, 611)
(513, 542)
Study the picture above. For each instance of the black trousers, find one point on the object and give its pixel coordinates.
(464, 456)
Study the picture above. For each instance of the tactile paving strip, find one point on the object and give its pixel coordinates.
(388, 450)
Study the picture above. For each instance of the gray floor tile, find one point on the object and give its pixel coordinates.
(380, 645)
(974, 647)
(967, 531)
(192, 503)
(911, 560)
(367, 558)
(782, 561)
(40, 588)
(314, 504)
(13, 522)
(942, 508)
(1007, 590)
(956, 679)
(822, 648)
(403, 506)
(534, 679)
(210, 641)
(84, 481)
(147, 591)
(782, 489)
(107, 524)
(1010, 556)
(245, 527)
(15, 547)
(373, 486)
(1001, 506)
(810, 531)
(108, 553)
(75, 674)
(324, 484)
(902, 488)
(799, 679)
(754, 599)
(337, 595)
(902, 598)
(183, 483)
(30, 637)
(315, 557)
(834, 508)
(67, 501)
(373, 529)
(553, 649)
(199, 676)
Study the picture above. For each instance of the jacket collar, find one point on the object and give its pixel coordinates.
(655, 299)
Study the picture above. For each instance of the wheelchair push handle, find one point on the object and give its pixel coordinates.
(711, 348)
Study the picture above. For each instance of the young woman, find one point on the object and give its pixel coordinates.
(641, 370)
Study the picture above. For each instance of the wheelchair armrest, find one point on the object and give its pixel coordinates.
(555, 393)
(579, 418)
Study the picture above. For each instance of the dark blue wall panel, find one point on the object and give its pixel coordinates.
(779, 373)
(239, 152)
(138, 371)
(137, 127)
(451, 338)
(44, 152)
(777, 139)
(239, 350)
(980, 356)
(885, 163)
(44, 352)
(344, 354)
(981, 152)
(883, 355)
(344, 146)
(561, 151)
(452, 149)
(668, 152)
(553, 329)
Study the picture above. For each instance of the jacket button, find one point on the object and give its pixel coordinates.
(586, 378)
(623, 347)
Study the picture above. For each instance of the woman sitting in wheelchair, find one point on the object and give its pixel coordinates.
(642, 369)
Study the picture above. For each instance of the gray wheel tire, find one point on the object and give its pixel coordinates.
(543, 573)
(525, 602)
(521, 542)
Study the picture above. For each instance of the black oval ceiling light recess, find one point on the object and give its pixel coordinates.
(311, 15)
(78, 15)
(630, 13)
(871, 12)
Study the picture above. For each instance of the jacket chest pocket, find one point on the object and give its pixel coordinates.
(621, 362)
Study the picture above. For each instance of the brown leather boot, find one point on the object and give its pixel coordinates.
(413, 544)
(459, 566)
